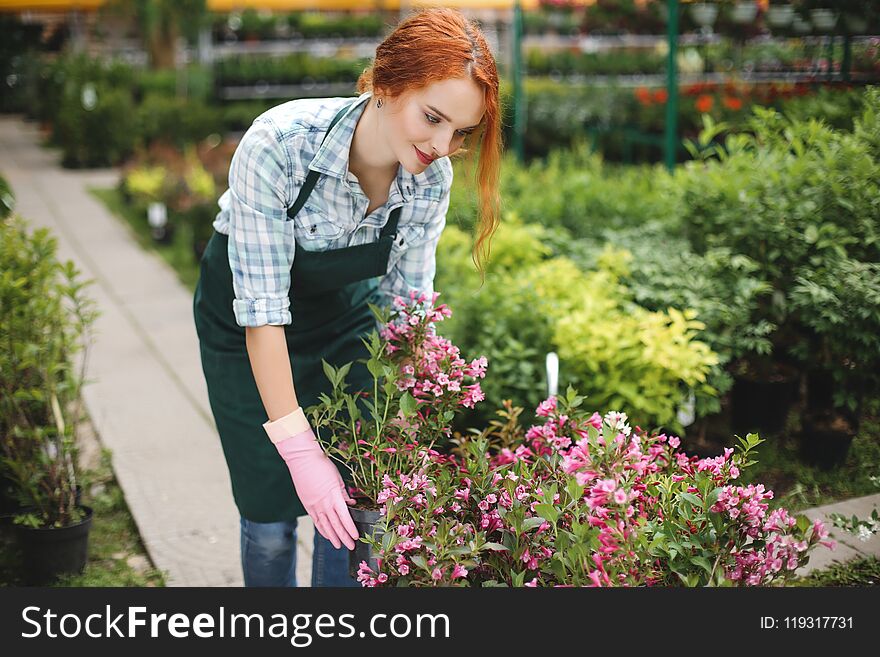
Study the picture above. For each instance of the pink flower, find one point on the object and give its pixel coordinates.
(546, 407)
(459, 571)
(674, 442)
(437, 574)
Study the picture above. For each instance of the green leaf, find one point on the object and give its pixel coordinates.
(353, 411)
(375, 368)
(329, 372)
(811, 234)
(803, 523)
(547, 511)
(495, 547)
(342, 372)
(532, 523)
(408, 404)
(704, 563)
(693, 499)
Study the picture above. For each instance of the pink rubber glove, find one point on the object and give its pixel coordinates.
(316, 479)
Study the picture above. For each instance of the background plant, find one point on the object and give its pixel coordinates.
(45, 317)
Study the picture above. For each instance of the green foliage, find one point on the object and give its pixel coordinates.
(7, 199)
(147, 184)
(289, 69)
(45, 316)
(856, 572)
(618, 354)
(661, 271)
(573, 189)
(633, 359)
(799, 200)
(840, 304)
(177, 121)
(92, 123)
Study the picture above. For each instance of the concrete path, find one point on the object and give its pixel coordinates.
(147, 397)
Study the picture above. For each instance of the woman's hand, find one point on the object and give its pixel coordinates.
(316, 479)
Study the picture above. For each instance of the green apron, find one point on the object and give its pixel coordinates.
(329, 293)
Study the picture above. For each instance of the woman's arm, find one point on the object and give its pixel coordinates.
(316, 479)
(270, 363)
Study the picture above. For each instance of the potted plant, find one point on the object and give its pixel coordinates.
(839, 307)
(420, 381)
(47, 318)
(583, 499)
(764, 390)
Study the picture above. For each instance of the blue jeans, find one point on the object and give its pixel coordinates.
(268, 556)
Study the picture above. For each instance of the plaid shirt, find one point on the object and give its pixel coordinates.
(267, 171)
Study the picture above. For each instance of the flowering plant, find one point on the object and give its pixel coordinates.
(585, 500)
(419, 381)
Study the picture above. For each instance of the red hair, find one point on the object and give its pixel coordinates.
(437, 44)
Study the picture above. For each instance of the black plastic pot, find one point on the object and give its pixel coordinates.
(365, 520)
(761, 406)
(825, 445)
(52, 551)
(163, 234)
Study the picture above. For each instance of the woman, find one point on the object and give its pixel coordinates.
(333, 203)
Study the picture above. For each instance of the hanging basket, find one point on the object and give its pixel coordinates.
(801, 26)
(824, 20)
(704, 13)
(744, 12)
(780, 15)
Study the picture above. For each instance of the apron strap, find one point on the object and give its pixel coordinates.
(313, 175)
(390, 227)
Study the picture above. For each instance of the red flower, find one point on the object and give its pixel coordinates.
(660, 96)
(704, 103)
(643, 96)
(732, 103)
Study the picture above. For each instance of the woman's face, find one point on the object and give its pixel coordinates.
(433, 121)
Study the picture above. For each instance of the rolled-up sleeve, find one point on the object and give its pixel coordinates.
(415, 269)
(261, 242)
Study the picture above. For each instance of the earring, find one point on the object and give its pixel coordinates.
(379, 103)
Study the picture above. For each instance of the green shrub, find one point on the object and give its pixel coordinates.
(612, 350)
(573, 190)
(840, 305)
(7, 199)
(94, 126)
(794, 197)
(44, 319)
(177, 121)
